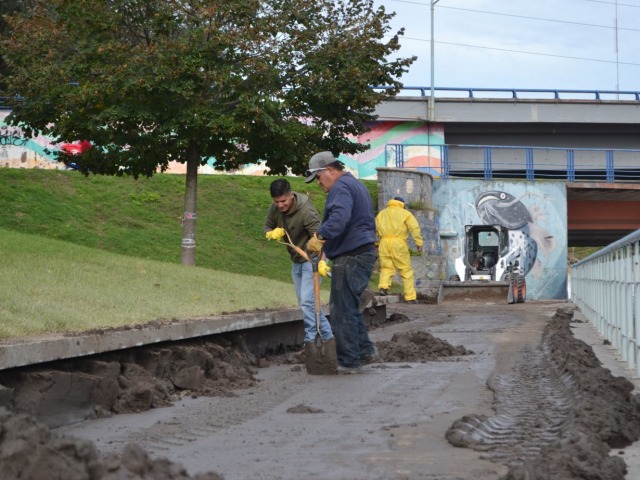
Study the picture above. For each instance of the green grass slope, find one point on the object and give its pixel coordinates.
(92, 252)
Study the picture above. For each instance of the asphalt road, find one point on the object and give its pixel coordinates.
(387, 423)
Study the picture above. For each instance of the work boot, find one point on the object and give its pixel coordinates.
(372, 358)
(412, 302)
(384, 292)
(348, 370)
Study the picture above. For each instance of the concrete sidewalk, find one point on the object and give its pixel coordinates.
(33, 350)
(264, 329)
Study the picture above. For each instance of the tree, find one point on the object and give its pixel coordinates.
(8, 7)
(152, 81)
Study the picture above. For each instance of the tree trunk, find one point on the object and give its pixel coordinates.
(190, 203)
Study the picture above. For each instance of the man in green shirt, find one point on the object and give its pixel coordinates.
(294, 212)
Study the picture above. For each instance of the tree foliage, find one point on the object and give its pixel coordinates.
(153, 81)
(8, 7)
(143, 80)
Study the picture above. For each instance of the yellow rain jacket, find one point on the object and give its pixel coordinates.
(393, 226)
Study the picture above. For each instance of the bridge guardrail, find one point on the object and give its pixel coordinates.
(500, 161)
(605, 287)
(519, 93)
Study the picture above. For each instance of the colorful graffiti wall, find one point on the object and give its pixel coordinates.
(16, 151)
(536, 214)
(415, 136)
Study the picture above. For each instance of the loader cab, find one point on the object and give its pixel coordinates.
(484, 246)
(488, 264)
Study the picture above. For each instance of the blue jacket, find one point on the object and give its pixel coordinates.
(348, 221)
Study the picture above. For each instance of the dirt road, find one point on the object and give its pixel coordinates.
(397, 420)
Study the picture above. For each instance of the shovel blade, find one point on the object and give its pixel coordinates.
(321, 358)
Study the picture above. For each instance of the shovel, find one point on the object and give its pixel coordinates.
(320, 355)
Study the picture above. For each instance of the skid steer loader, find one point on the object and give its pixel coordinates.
(489, 268)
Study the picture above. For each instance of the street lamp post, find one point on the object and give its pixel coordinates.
(431, 99)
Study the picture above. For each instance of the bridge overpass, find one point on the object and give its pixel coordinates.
(587, 139)
(562, 118)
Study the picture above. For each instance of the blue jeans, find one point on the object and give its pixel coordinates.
(302, 274)
(350, 277)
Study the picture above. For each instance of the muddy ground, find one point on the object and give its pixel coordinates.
(463, 392)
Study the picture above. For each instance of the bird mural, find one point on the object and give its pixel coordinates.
(494, 207)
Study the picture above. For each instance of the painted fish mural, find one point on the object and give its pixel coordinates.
(494, 207)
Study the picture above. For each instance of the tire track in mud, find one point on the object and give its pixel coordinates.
(558, 412)
(532, 400)
(532, 404)
(191, 420)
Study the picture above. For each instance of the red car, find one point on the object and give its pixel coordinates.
(76, 148)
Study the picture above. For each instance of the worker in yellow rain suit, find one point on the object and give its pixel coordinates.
(393, 225)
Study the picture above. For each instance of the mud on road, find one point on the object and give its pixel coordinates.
(470, 391)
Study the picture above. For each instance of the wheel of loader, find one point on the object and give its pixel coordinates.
(522, 289)
(513, 287)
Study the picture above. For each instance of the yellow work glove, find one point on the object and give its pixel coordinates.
(275, 234)
(314, 245)
(323, 268)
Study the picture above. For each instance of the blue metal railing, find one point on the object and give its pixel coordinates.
(605, 287)
(520, 93)
(500, 161)
(495, 93)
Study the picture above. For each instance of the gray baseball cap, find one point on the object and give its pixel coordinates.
(320, 161)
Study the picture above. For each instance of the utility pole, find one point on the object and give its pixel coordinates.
(431, 106)
(615, 27)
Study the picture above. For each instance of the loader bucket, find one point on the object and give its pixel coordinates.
(477, 291)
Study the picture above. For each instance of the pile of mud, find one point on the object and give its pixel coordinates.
(132, 380)
(411, 346)
(572, 412)
(392, 319)
(30, 451)
(418, 346)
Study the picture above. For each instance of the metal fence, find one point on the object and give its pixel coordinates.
(500, 161)
(605, 287)
(519, 93)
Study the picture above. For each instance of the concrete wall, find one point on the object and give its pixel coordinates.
(414, 185)
(536, 212)
(17, 151)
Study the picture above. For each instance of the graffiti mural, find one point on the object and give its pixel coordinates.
(18, 151)
(415, 136)
(535, 214)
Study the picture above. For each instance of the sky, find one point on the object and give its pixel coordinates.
(521, 44)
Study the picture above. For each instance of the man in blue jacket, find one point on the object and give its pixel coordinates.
(347, 235)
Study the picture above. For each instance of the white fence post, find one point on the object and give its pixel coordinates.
(605, 287)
